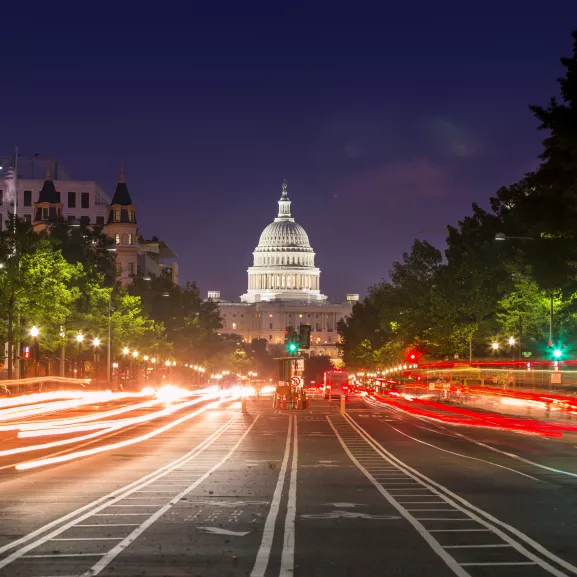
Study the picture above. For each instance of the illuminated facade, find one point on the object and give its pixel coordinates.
(284, 290)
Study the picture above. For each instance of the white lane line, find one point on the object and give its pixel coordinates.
(57, 556)
(448, 433)
(422, 502)
(288, 550)
(87, 539)
(443, 510)
(262, 557)
(517, 457)
(94, 508)
(498, 564)
(419, 527)
(465, 456)
(113, 553)
(104, 525)
(114, 515)
(459, 530)
(443, 519)
(486, 519)
(487, 546)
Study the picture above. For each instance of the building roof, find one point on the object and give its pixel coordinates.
(121, 194)
(48, 192)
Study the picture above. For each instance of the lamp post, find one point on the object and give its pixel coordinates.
(96, 344)
(79, 339)
(34, 334)
(108, 352)
(62, 353)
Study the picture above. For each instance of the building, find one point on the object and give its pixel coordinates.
(57, 197)
(80, 200)
(284, 290)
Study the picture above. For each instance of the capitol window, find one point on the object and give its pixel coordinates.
(233, 326)
(117, 238)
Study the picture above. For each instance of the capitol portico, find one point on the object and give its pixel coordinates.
(284, 289)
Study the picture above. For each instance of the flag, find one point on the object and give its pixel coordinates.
(10, 184)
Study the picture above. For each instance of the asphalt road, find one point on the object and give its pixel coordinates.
(308, 493)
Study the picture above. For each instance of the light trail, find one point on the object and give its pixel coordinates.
(86, 398)
(112, 424)
(112, 446)
(74, 420)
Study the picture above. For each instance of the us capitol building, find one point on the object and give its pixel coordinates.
(284, 290)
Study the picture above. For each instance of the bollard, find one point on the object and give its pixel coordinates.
(307, 403)
(243, 406)
(343, 410)
(283, 404)
(299, 403)
(277, 406)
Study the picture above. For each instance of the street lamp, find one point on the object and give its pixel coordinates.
(108, 353)
(495, 346)
(34, 334)
(512, 341)
(96, 344)
(79, 339)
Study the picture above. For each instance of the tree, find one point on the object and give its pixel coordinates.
(36, 285)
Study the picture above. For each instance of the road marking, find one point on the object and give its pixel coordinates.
(113, 553)
(58, 555)
(220, 531)
(347, 515)
(87, 539)
(465, 456)
(498, 564)
(262, 557)
(109, 525)
(466, 507)
(488, 546)
(231, 504)
(288, 550)
(115, 515)
(459, 530)
(345, 505)
(93, 508)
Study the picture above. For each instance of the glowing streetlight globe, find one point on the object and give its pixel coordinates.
(79, 337)
(96, 342)
(512, 341)
(34, 331)
(495, 346)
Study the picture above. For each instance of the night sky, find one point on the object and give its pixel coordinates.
(385, 118)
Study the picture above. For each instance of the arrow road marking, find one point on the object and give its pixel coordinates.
(219, 531)
(347, 515)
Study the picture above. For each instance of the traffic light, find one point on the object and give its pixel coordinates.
(291, 340)
(305, 336)
(557, 353)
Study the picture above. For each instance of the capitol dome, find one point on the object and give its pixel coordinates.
(285, 234)
(284, 262)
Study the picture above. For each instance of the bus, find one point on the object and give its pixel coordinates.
(336, 383)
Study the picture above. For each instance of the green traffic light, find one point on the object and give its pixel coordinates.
(557, 353)
(292, 347)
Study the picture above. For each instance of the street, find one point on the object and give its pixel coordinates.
(376, 491)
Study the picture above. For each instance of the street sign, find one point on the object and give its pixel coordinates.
(527, 353)
(555, 378)
(296, 381)
(300, 365)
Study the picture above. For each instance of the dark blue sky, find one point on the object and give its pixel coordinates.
(385, 118)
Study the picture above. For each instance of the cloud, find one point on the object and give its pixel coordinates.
(400, 180)
(450, 139)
